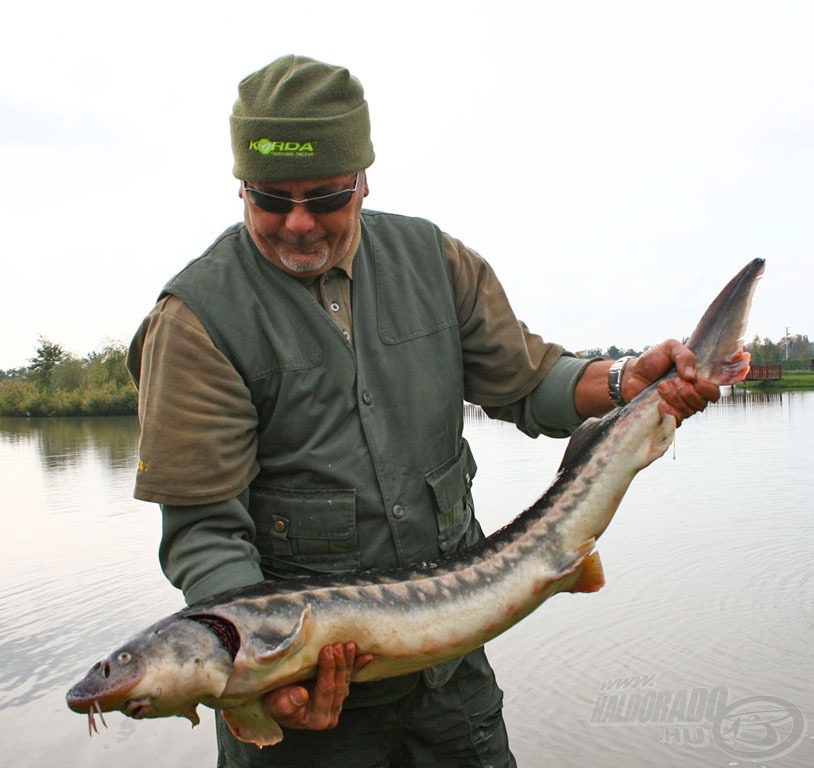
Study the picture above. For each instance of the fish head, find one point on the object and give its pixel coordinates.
(108, 681)
(166, 670)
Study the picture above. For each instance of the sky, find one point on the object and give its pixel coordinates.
(615, 162)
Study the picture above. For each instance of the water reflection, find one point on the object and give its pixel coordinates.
(708, 567)
(748, 397)
(61, 442)
(75, 542)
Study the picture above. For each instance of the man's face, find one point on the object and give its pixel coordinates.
(300, 242)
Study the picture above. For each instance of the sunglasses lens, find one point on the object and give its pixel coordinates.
(269, 203)
(322, 204)
(330, 203)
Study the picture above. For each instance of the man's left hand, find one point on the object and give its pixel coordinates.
(683, 395)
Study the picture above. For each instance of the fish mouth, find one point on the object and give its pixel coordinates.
(138, 708)
(135, 708)
(90, 707)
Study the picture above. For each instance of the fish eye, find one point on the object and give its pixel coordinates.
(124, 657)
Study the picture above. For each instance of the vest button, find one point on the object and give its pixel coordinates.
(279, 526)
(367, 398)
(399, 511)
(335, 306)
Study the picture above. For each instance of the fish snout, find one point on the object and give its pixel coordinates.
(106, 683)
(78, 701)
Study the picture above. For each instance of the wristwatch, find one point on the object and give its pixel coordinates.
(615, 374)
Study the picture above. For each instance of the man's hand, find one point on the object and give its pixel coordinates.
(317, 706)
(681, 396)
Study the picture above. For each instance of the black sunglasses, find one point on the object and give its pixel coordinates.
(321, 204)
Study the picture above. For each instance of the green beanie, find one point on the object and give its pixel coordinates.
(299, 119)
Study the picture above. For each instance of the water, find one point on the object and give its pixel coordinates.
(709, 594)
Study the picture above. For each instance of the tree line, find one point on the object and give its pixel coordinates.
(792, 352)
(56, 383)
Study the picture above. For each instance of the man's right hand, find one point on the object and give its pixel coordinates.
(317, 707)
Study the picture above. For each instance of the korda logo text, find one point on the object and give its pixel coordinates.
(752, 728)
(289, 148)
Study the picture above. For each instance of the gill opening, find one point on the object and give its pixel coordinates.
(222, 629)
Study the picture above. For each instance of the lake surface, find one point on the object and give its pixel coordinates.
(699, 651)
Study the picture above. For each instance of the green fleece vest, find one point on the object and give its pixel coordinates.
(361, 454)
(360, 447)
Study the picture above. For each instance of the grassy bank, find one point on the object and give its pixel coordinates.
(23, 398)
(792, 380)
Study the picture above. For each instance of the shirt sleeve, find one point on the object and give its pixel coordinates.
(208, 548)
(198, 424)
(197, 452)
(514, 374)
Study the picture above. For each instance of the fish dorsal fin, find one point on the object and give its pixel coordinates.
(585, 435)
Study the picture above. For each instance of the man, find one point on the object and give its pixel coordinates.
(301, 390)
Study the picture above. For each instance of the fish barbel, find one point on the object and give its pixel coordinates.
(227, 651)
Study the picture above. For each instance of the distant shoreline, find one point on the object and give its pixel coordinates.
(23, 399)
(791, 381)
(124, 401)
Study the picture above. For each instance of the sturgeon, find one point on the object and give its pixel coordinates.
(227, 651)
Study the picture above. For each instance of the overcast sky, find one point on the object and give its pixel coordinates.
(616, 162)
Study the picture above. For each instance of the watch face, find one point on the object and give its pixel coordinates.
(615, 381)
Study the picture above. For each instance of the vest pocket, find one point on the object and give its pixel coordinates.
(305, 531)
(451, 483)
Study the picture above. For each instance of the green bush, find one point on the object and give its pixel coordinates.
(57, 384)
(18, 397)
(111, 400)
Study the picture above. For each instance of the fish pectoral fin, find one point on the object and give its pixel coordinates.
(253, 725)
(263, 662)
(191, 715)
(263, 651)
